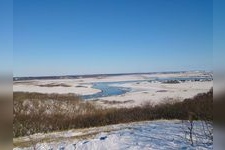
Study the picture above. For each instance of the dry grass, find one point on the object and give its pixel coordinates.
(34, 112)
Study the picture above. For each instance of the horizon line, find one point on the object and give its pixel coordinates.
(121, 73)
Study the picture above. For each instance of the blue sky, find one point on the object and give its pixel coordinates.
(61, 37)
(6, 37)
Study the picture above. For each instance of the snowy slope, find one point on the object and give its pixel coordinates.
(156, 135)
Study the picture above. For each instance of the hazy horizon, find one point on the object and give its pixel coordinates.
(114, 73)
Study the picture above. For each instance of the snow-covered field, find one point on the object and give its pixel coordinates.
(69, 86)
(155, 93)
(161, 134)
(148, 135)
(141, 92)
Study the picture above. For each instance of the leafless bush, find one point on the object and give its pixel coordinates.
(200, 108)
(34, 112)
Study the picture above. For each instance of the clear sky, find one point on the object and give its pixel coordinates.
(65, 37)
(6, 37)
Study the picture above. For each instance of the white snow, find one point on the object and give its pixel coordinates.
(74, 86)
(155, 93)
(142, 92)
(154, 135)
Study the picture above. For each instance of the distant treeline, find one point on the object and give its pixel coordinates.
(85, 76)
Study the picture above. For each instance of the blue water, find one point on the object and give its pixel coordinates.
(108, 90)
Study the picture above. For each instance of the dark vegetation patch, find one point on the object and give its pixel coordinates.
(81, 86)
(171, 81)
(117, 102)
(23, 82)
(161, 91)
(34, 112)
(54, 85)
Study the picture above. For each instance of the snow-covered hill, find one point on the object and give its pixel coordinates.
(161, 134)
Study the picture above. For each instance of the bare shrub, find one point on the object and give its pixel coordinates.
(34, 112)
(200, 108)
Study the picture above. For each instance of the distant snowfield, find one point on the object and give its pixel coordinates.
(156, 93)
(70, 86)
(148, 135)
(141, 93)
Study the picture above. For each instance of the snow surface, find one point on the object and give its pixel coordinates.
(149, 135)
(155, 93)
(142, 92)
